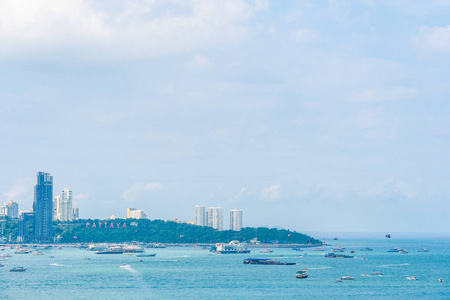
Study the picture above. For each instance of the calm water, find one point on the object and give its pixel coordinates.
(178, 273)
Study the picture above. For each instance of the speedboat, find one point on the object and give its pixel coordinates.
(318, 249)
(266, 251)
(347, 278)
(423, 250)
(376, 273)
(411, 278)
(301, 274)
(17, 269)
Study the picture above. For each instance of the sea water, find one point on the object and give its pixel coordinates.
(189, 272)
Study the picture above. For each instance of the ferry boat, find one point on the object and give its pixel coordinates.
(132, 249)
(301, 274)
(93, 247)
(266, 251)
(146, 255)
(17, 269)
(230, 248)
(334, 255)
(111, 250)
(265, 261)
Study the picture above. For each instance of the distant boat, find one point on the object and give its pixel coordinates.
(366, 249)
(266, 251)
(265, 261)
(423, 250)
(395, 249)
(377, 273)
(318, 249)
(231, 248)
(334, 255)
(335, 238)
(1, 265)
(146, 255)
(411, 278)
(111, 250)
(17, 269)
(347, 278)
(301, 274)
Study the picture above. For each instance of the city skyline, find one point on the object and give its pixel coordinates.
(312, 115)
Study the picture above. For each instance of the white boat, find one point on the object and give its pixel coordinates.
(347, 278)
(266, 251)
(411, 278)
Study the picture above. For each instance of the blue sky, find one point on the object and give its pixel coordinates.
(309, 115)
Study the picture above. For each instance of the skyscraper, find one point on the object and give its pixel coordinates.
(134, 213)
(76, 213)
(215, 217)
(236, 219)
(43, 207)
(57, 208)
(200, 215)
(66, 205)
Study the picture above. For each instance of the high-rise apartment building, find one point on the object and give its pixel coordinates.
(42, 214)
(214, 217)
(66, 205)
(57, 208)
(236, 219)
(76, 213)
(10, 209)
(200, 215)
(134, 213)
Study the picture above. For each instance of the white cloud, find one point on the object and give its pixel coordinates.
(242, 193)
(271, 193)
(139, 190)
(434, 38)
(136, 28)
(20, 191)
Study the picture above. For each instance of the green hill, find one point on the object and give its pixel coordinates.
(159, 231)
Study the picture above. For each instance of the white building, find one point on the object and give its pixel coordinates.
(214, 216)
(236, 219)
(133, 213)
(200, 215)
(76, 213)
(62, 206)
(10, 209)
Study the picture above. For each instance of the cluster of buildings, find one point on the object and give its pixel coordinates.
(9, 209)
(213, 217)
(37, 225)
(62, 207)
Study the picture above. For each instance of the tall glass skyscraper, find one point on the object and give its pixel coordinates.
(43, 207)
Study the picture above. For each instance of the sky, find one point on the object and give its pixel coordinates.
(315, 116)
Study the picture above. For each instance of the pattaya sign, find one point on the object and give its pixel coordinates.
(106, 225)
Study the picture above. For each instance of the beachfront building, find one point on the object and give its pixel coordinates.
(133, 213)
(62, 206)
(41, 218)
(214, 217)
(10, 209)
(200, 215)
(236, 219)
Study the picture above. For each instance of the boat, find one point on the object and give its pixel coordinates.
(59, 248)
(146, 255)
(353, 251)
(403, 251)
(395, 249)
(265, 261)
(93, 247)
(51, 256)
(111, 250)
(423, 250)
(318, 249)
(377, 273)
(1, 265)
(266, 251)
(334, 255)
(158, 245)
(366, 249)
(132, 249)
(347, 278)
(301, 274)
(22, 251)
(230, 248)
(365, 275)
(337, 250)
(38, 253)
(411, 278)
(17, 269)
(440, 280)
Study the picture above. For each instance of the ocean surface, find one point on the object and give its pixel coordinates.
(189, 272)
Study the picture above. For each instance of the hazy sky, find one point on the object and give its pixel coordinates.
(309, 115)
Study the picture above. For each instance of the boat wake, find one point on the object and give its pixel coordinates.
(320, 268)
(394, 265)
(128, 268)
